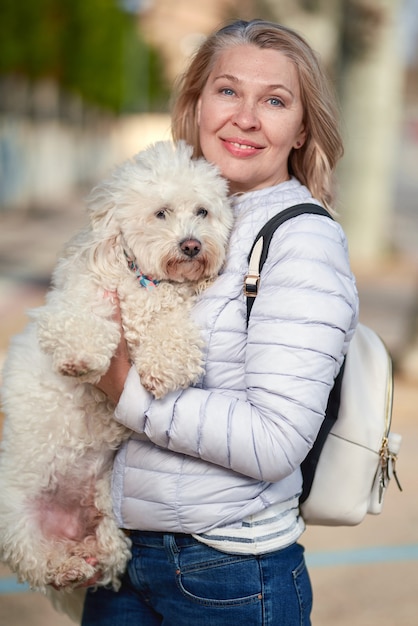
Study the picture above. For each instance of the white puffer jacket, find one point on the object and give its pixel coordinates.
(211, 455)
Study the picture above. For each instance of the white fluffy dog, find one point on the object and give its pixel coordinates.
(161, 220)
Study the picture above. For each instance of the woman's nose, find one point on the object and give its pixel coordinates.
(245, 116)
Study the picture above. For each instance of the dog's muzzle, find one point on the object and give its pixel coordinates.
(190, 247)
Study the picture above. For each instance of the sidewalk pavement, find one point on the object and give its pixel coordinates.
(362, 576)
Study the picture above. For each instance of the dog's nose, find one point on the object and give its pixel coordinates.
(190, 247)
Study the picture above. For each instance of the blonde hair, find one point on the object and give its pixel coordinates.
(313, 164)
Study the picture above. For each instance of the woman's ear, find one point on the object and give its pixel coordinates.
(300, 139)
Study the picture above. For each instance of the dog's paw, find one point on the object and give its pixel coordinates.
(85, 367)
(74, 368)
(73, 572)
(159, 388)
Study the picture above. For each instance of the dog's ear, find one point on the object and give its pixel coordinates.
(106, 250)
(106, 259)
(101, 209)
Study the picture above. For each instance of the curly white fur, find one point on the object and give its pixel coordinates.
(170, 214)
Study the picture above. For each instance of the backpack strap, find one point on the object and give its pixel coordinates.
(260, 247)
(256, 259)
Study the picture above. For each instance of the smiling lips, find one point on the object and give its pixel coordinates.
(240, 148)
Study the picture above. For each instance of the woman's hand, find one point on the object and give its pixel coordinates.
(113, 381)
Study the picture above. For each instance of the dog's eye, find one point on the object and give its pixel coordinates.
(201, 212)
(161, 214)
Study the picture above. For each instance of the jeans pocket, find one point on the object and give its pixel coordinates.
(220, 580)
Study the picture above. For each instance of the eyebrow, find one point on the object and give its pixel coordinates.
(234, 79)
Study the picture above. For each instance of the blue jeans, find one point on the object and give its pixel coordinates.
(174, 580)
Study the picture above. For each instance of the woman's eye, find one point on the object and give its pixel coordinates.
(160, 214)
(227, 91)
(202, 212)
(276, 102)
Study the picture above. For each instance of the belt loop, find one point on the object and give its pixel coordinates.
(172, 549)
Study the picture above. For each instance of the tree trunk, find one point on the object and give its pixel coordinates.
(371, 99)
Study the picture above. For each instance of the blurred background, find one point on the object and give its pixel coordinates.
(85, 84)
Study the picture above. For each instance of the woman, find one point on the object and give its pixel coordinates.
(208, 485)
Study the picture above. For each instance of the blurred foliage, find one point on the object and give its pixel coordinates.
(362, 25)
(90, 47)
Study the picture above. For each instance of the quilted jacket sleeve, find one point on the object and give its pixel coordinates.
(299, 330)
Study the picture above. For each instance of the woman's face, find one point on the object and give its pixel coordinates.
(250, 116)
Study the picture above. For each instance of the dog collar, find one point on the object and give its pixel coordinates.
(143, 280)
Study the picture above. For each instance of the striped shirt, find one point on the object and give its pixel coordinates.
(276, 527)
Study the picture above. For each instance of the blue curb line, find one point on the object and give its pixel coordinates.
(360, 556)
(10, 585)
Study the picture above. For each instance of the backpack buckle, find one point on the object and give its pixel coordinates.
(251, 285)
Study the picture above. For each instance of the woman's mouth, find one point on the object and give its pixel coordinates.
(239, 147)
(242, 146)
